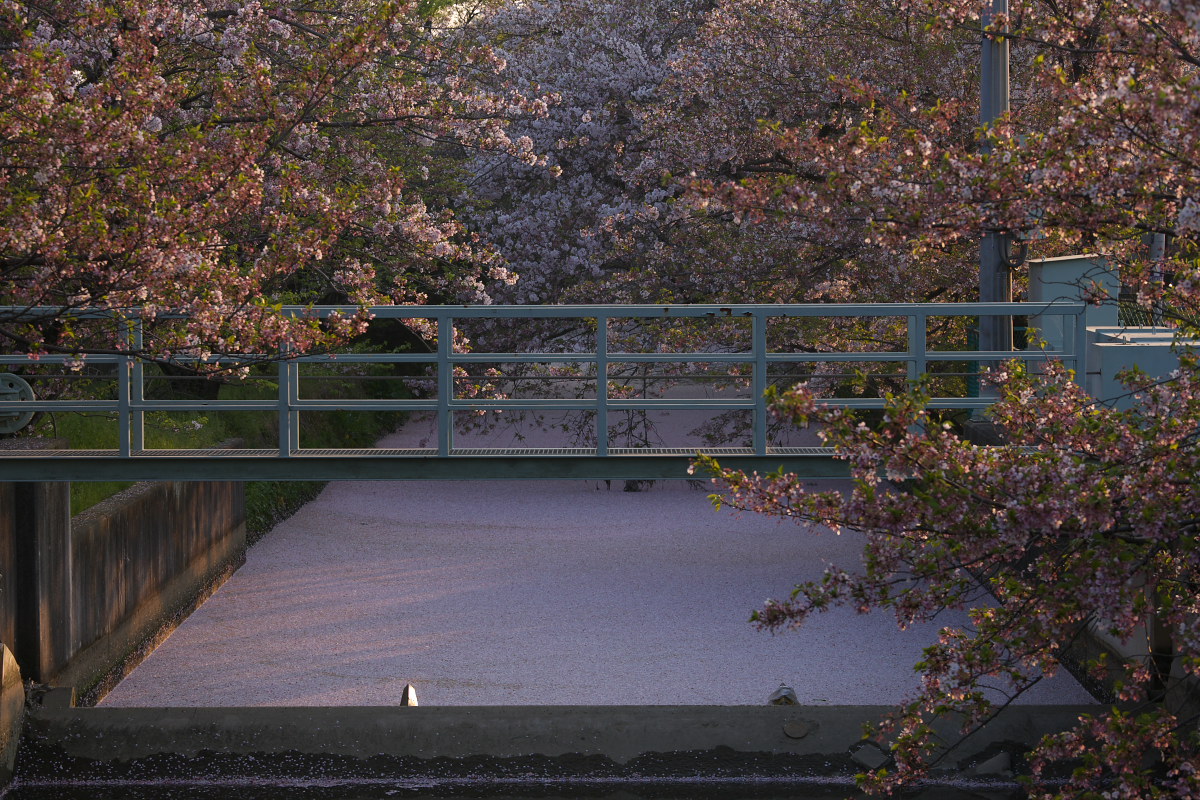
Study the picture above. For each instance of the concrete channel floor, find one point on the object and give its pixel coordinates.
(528, 593)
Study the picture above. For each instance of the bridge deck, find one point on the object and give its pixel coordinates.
(475, 463)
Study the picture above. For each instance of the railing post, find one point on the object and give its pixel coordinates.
(445, 391)
(124, 377)
(287, 426)
(137, 394)
(293, 400)
(917, 324)
(759, 335)
(601, 386)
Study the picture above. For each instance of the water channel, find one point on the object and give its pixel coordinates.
(394, 790)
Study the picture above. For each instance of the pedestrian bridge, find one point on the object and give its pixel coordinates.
(605, 367)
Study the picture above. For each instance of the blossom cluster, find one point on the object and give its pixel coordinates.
(216, 160)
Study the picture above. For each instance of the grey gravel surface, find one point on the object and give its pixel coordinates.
(528, 593)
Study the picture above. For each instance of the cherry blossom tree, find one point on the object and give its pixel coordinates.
(1091, 523)
(652, 99)
(585, 212)
(659, 99)
(218, 159)
(759, 69)
(647, 100)
(1083, 154)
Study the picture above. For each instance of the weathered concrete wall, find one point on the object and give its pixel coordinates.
(43, 578)
(80, 600)
(34, 526)
(538, 744)
(141, 560)
(12, 712)
(8, 563)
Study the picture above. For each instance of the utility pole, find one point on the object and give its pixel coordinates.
(995, 277)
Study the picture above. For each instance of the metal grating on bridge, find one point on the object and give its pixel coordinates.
(364, 452)
(426, 452)
(206, 453)
(404, 464)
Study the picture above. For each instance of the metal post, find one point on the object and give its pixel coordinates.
(995, 279)
(918, 326)
(994, 89)
(137, 421)
(284, 408)
(293, 402)
(124, 377)
(916, 347)
(445, 372)
(601, 386)
(759, 334)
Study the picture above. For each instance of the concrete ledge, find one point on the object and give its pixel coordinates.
(515, 743)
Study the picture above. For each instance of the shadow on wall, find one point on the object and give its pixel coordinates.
(84, 600)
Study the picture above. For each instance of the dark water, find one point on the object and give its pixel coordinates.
(165, 790)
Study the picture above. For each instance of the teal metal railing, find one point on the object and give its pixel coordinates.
(131, 403)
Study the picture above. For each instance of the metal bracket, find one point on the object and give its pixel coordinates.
(14, 387)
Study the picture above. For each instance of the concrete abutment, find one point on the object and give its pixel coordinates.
(798, 746)
(81, 598)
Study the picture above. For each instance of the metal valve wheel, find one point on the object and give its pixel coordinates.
(14, 387)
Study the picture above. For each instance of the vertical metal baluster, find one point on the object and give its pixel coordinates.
(124, 378)
(445, 372)
(916, 354)
(285, 394)
(293, 401)
(137, 393)
(601, 386)
(759, 336)
(916, 347)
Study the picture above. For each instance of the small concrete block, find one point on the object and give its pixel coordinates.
(783, 696)
(999, 765)
(798, 729)
(59, 697)
(869, 755)
(409, 697)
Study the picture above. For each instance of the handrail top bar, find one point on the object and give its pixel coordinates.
(467, 359)
(731, 310)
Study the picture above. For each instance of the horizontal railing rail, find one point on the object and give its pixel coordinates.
(131, 405)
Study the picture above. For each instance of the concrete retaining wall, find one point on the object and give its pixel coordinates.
(8, 563)
(142, 560)
(12, 712)
(43, 578)
(543, 745)
(83, 600)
